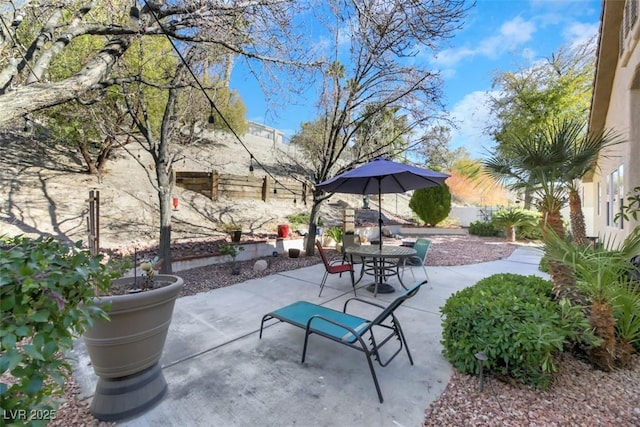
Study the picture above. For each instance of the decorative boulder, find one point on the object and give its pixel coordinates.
(260, 266)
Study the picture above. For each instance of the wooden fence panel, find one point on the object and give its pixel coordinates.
(214, 184)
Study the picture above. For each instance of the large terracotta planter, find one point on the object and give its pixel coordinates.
(126, 350)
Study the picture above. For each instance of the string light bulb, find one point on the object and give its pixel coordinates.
(134, 14)
(251, 163)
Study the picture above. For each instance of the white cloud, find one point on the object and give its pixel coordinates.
(579, 33)
(511, 35)
(472, 116)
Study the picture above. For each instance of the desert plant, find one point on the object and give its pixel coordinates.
(46, 294)
(335, 233)
(431, 204)
(601, 273)
(482, 228)
(511, 218)
(514, 321)
(626, 309)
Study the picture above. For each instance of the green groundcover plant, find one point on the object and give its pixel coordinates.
(46, 299)
(514, 321)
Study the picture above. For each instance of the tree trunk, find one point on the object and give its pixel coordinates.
(84, 152)
(311, 234)
(164, 196)
(604, 324)
(576, 217)
(564, 282)
(511, 233)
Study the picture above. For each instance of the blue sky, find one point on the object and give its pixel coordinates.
(497, 35)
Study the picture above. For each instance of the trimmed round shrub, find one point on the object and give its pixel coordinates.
(514, 321)
(431, 204)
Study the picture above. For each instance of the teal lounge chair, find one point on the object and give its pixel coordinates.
(348, 329)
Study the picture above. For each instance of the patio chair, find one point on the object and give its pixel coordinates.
(422, 248)
(347, 241)
(332, 267)
(348, 329)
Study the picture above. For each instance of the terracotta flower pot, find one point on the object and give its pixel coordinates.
(126, 350)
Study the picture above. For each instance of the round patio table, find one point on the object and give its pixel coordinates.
(381, 264)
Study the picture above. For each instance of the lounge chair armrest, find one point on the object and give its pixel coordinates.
(344, 309)
(352, 331)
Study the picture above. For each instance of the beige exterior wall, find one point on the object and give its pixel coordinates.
(615, 105)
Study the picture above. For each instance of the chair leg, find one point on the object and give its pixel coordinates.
(375, 378)
(425, 272)
(324, 279)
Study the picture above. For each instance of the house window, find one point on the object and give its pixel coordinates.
(599, 198)
(615, 197)
(607, 195)
(629, 18)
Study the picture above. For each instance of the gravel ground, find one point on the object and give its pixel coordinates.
(580, 396)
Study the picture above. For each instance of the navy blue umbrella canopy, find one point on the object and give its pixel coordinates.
(382, 176)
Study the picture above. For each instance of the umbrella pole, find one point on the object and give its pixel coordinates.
(379, 215)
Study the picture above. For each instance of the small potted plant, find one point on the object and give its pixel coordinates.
(234, 230)
(335, 233)
(232, 251)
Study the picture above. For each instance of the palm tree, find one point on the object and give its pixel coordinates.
(579, 151)
(550, 161)
(533, 164)
(512, 218)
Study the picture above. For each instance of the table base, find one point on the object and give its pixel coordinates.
(383, 288)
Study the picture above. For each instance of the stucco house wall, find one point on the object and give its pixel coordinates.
(615, 105)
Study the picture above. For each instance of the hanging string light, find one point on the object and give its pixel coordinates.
(251, 163)
(214, 108)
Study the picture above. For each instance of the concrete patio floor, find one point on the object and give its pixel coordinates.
(220, 374)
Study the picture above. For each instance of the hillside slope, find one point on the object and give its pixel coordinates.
(44, 191)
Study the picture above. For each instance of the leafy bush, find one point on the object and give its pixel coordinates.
(431, 204)
(514, 321)
(482, 228)
(529, 232)
(46, 294)
(297, 219)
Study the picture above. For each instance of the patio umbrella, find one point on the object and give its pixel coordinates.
(380, 176)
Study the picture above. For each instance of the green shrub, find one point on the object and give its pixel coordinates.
(529, 232)
(297, 219)
(431, 204)
(482, 228)
(513, 320)
(46, 299)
